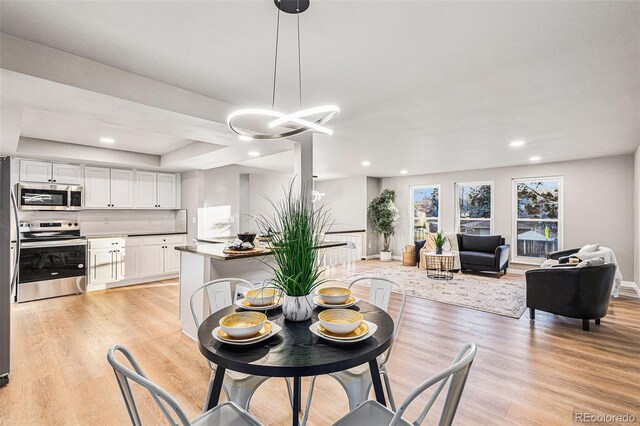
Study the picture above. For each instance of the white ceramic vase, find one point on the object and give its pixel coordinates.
(385, 256)
(297, 308)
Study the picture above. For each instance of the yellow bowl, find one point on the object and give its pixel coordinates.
(242, 324)
(334, 295)
(340, 321)
(261, 296)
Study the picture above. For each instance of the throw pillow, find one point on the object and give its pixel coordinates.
(596, 261)
(589, 248)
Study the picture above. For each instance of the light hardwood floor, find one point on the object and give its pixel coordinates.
(524, 373)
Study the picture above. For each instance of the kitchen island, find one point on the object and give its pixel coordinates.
(204, 262)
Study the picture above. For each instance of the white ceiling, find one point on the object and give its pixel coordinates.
(423, 86)
(60, 127)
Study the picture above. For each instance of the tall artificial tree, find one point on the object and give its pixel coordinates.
(383, 215)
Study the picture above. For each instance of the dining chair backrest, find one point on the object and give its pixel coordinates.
(167, 404)
(217, 294)
(458, 372)
(380, 295)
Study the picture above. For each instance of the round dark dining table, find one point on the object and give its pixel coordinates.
(295, 352)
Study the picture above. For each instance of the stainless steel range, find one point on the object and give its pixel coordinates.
(53, 259)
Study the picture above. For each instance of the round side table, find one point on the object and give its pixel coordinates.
(440, 266)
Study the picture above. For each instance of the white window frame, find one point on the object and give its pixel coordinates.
(412, 220)
(515, 220)
(456, 188)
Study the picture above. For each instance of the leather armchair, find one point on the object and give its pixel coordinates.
(562, 256)
(483, 253)
(573, 292)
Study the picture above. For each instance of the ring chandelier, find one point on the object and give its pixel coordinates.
(294, 123)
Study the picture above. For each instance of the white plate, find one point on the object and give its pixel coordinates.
(317, 301)
(240, 303)
(372, 329)
(275, 329)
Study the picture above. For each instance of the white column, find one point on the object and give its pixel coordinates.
(303, 164)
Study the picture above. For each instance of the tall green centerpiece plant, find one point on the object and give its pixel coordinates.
(297, 231)
(383, 215)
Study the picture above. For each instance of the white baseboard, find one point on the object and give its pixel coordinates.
(630, 289)
(104, 286)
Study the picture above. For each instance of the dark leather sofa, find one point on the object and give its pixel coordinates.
(573, 292)
(483, 253)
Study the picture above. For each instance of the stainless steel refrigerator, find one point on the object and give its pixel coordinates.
(8, 269)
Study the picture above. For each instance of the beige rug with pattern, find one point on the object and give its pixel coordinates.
(497, 296)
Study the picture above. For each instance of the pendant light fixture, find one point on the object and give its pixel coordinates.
(278, 124)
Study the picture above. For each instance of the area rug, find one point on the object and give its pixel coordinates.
(497, 296)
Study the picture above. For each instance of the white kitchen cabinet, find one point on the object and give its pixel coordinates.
(35, 171)
(167, 191)
(146, 190)
(171, 259)
(159, 254)
(67, 173)
(44, 171)
(101, 266)
(132, 262)
(152, 260)
(108, 188)
(156, 190)
(97, 188)
(121, 188)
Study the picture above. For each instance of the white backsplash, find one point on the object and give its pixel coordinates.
(95, 222)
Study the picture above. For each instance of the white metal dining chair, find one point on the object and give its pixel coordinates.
(238, 387)
(357, 381)
(227, 413)
(372, 413)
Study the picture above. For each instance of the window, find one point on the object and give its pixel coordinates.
(474, 208)
(537, 217)
(425, 208)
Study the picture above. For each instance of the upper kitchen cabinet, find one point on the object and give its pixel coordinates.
(44, 171)
(108, 188)
(156, 190)
(167, 191)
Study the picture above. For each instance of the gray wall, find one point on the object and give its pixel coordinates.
(346, 199)
(373, 240)
(598, 201)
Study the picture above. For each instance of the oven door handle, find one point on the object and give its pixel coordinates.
(58, 243)
(14, 278)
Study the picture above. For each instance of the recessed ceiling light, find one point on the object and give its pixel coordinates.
(107, 140)
(366, 163)
(515, 144)
(536, 158)
(245, 138)
(253, 153)
(404, 172)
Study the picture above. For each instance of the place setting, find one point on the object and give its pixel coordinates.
(342, 326)
(245, 328)
(335, 298)
(261, 299)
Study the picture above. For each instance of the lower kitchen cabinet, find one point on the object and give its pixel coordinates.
(152, 260)
(131, 260)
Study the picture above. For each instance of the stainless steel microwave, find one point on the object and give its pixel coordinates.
(46, 196)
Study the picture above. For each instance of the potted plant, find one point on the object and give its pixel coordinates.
(439, 240)
(296, 230)
(383, 215)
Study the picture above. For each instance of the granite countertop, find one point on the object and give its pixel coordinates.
(128, 234)
(216, 250)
